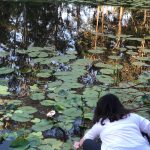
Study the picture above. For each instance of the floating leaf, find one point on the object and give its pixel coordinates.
(98, 50)
(28, 109)
(35, 120)
(135, 39)
(145, 50)
(144, 78)
(131, 47)
(37, 96)
(6, 70)
(107, 71)
(147, 38)
(48, 103)
(21, 51)
(42, 54)
(21, 117)
(42, 125)
(105, 79)
(4, 90)
(88, 116)
(130, 52)
(34, 54)
(44, 75)
(3, 54)
(20, 143)
(138, 63)
(115, 57)
(143, 58)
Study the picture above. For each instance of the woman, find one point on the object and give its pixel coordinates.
(116, 126)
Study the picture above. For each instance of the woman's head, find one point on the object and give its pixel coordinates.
(109, 107)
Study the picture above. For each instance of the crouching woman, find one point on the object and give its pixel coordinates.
(117, 127)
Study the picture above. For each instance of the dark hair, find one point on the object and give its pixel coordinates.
(109, 107)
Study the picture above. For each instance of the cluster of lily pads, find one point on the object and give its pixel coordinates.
(64, 92)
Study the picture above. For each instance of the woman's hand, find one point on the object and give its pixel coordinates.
(76, 145)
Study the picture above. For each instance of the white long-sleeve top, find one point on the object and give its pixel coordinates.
(124, 134)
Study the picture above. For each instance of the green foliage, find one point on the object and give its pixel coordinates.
(6, 70)
(37, 96)
(42, 125)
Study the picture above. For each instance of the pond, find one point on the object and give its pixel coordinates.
(58, 58)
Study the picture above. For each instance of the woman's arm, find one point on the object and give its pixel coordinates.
(91, 134)
(144, 124)
(79, 144)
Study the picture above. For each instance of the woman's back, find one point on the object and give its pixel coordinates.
(123, 134)
(117, 127)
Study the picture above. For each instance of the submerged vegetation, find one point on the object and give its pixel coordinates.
(58, 59)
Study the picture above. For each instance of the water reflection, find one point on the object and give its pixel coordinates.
(70, 27)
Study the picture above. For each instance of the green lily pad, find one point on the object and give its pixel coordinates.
(131, 47)
(4, 90)
(88, 116)
(145, 50)
(143, 58)
(21, 117)
(135, 39)
(144, 78)
(21, 51)
(130, 52)
(107, 71)
(37, 96)
(42, 125)
(105, 79)
(53, 85)
(98, 50)
(42, 55)
(147, 38)
(28, 109)
(35, 120)
(72, 112)
(39, 60)
(34, 49)
(3, 54)
(139, 64)
(102, 65)
(114, 57)
(48, 103)
(44, 75)
(34, 88)
(6, 70)
(20, 143)
(34, 54)
(54, 143)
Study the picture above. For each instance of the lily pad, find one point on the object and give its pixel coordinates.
(145, 50)
(115, 57)
(105, 79)
(107, 71)
(138, 63)
(42, 125)
(143, 58)
(4, 90)
(37, 96)
(21, 117)
(42, 55)
(28, 109)
(3, 54)
(44, 75)
(6, 70)
(48, 103)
